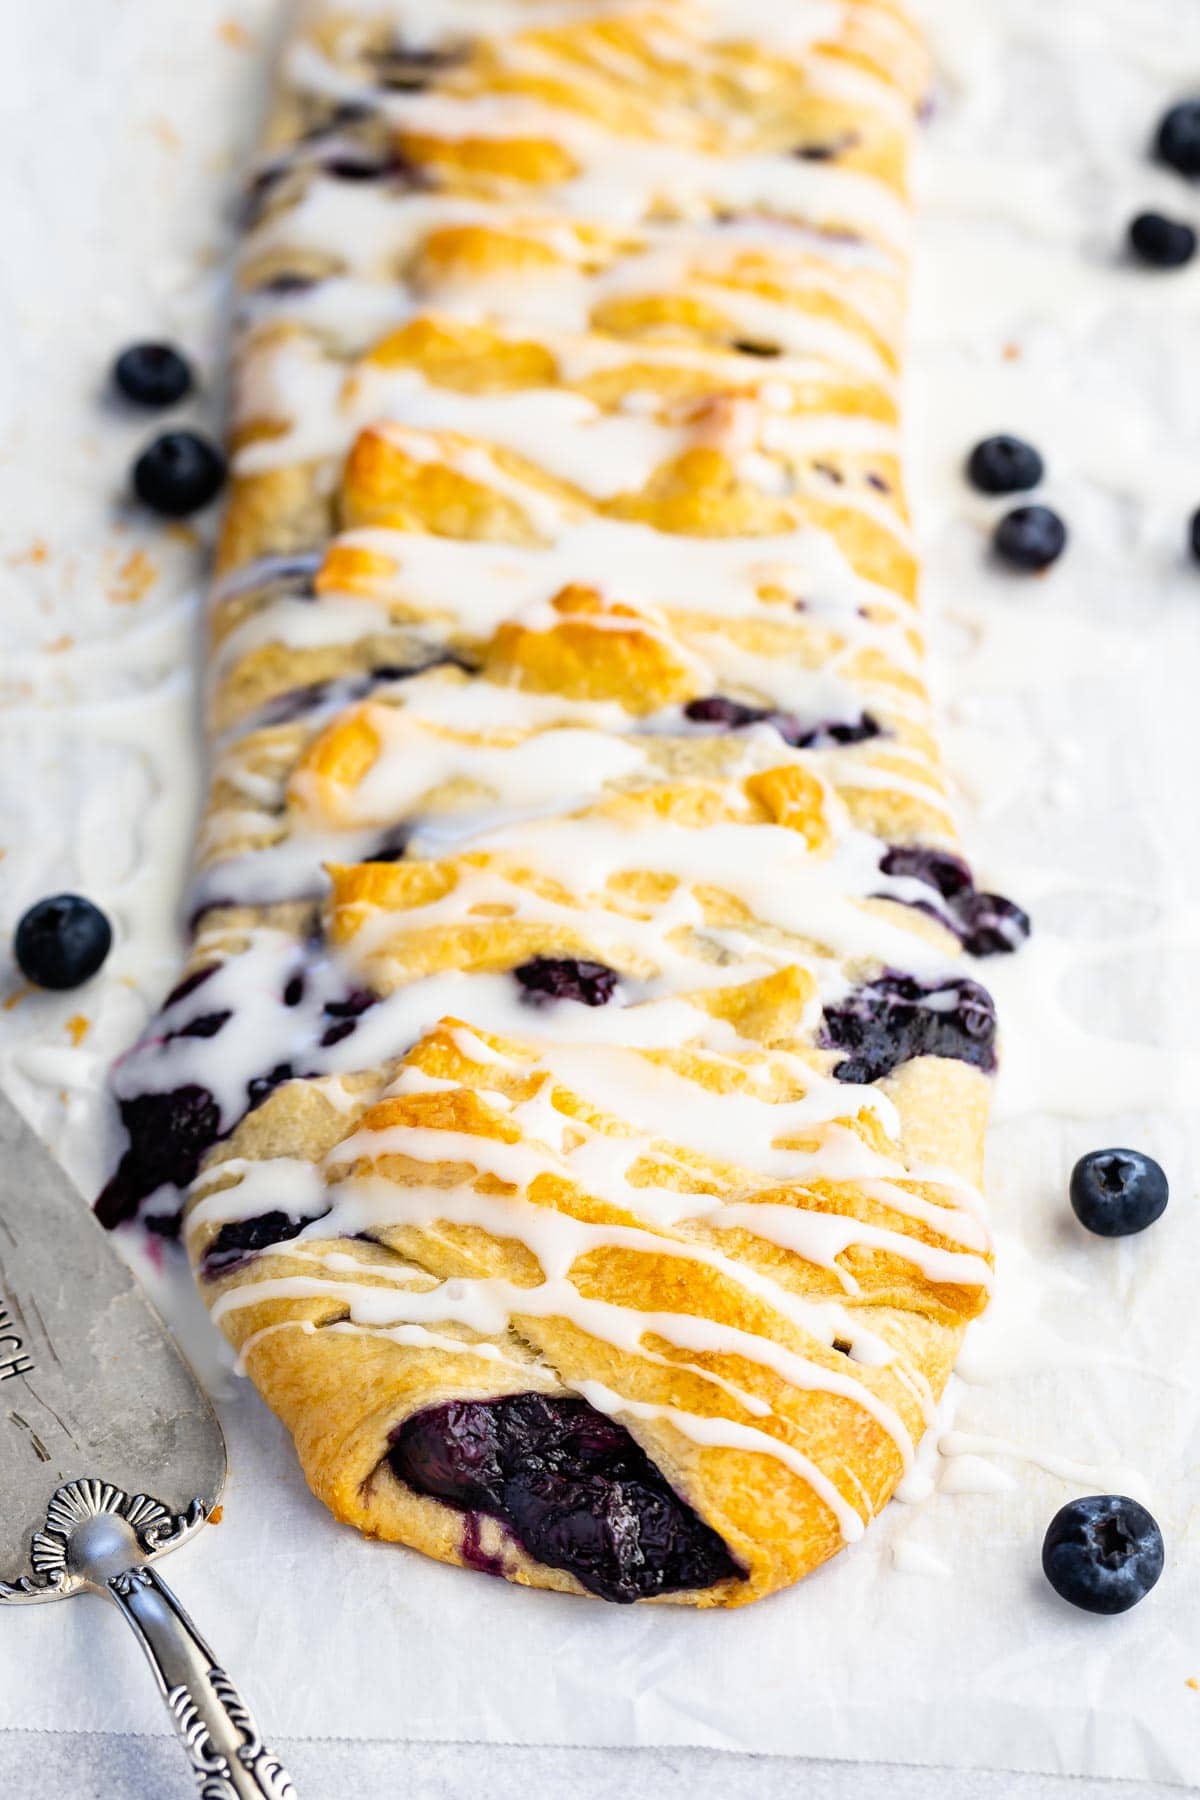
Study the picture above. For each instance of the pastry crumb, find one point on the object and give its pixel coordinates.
(235, 34)
(1011, 353)
(1193, 1684)
(65, 642)
(14, 999)
(216, 1515)
(133, 580)
(165, 132)
(37, 552)
(77, 1028)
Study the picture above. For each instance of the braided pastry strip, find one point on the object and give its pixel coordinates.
(584, 1101)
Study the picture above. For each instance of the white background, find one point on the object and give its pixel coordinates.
(1069, 706)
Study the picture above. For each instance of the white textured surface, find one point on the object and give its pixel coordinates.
(1068, 704)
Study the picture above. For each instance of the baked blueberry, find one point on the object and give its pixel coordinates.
(1161, 242)
(241, 1238)
(1030, 537)
(567, 978)
(734, 715)
(62, 941)
(1178, 140)
(1118, 1192)
(570, 1484)
(1004, 465)
(178, 473)
(895, 1018)
(168, 1134)
(1103, 1554)
(152, 374)
(986, 924)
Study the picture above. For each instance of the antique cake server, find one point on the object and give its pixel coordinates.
(110, 1455)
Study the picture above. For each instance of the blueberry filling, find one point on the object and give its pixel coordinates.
(829, 151)
(241, 1238)
(206, 1025)
(261, 1086)
(391, 846)
(288, 282)
(571, 1485)
(403, 70)
(895, 1018)
(189, 984)
(567, 978)
(735, 715)
(986, 924)
(168, 1134)
(294, 703)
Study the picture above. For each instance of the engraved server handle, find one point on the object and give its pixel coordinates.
(228, 1757)
(223, 1744)
(104, 1540)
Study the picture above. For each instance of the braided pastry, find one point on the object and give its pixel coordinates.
(580, 1094)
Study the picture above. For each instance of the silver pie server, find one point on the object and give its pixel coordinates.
(110, 1455)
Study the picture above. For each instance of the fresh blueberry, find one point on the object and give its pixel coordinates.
(1178, 141)
(1117, 1192)
(1103, 1554)
(152, 374)
(1194, 534)
(570, 1484)
(1163, 243)
(62, 941)
(1004, 465)
(178, 474)
(1030, 537)
(567, 978)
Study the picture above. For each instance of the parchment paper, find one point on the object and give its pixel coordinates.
(1070, 708)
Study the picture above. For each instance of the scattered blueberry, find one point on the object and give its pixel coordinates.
(1103, 1554)
(894, 1018)
(1163, 243)
(567, 978)
(178, 474)
(570, 1484)
(1178, 141)
(152, 374)
(1194, 534)
(1030, 537)
(62, 941)
(1117, 1192)
(1004, 465)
